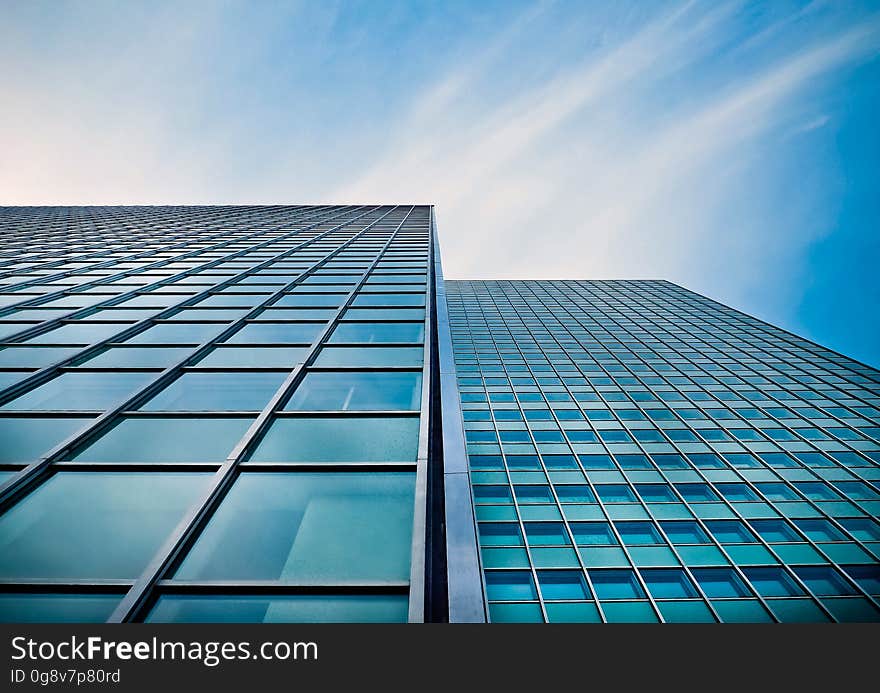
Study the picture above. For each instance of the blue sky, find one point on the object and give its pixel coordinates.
(731, 147)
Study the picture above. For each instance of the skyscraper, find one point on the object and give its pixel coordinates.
(286, 414)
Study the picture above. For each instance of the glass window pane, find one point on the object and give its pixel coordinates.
(372, 357)
(217, 392)
(137, 357)
(301, 608)
(352, 390)
(94, 524)
(179, 439)
(510, 585)
(616, 584)
(277, 333)
(81, 391)
(178, 333)
(78, 333)
(26, 440)
(824, 581)
(308, 527)
(33, 357)
(253, 357)
(721, 582)
(384, 314)
(669, 584)
(340, 439)
(368, 299)
(378, 332)
(772, 582)
(563, 584)
(593, 534)
(57, 608)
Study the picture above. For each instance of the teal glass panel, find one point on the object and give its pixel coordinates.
(629, 612)
(308, 527)
(563, 584)
(378, 333)
(253, 357)
(616, 584)
(372, 357)
(33, 357)
(515, 613)
(510, 585)
(277, 333)
(78, 333)
(574, 612)
(74, 391)
(371, 299)
(340, 439)
(690, 611)
(137, 357)
(305, 300)
(217, 392)
(772, 582)
(741, 611)
(302, 608)
(26, 440)
(178, 333)
(57, 608)
(669, 584)
(353, 390)
(824, 581)
(720, 582)
(593, 534)
(803, 610)
(384, 314)
(94, 524)
(179, 439)
(500, 534)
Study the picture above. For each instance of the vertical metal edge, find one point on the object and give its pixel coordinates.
(466, 599)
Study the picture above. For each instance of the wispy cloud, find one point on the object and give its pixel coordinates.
(589, 172)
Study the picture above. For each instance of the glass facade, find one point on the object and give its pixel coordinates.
(213, 414)
(257, 414)
(639, 453)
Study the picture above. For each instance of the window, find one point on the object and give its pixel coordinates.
(720, 583)
(308, 527)
(217, 392)
(370, 299)
(33, 357)
(178, 333)
(56, 608)
(253, 357)
(684, 532)
(378, 332)
(277, 333)
(94, 524)
(509, 585)
(772, 582)
(730, 532)
(824, 581)
(639, 533)
(372, 357)
(820, 530)
(340, 439)
(500, 534)
(615, 493)
(78, 333)
(669, 584)
(616, 584)
(137, 357)
(81, 391)
(546, 534)
(575, 493)
(352, 390)
(300, 608)
(563, 584)
(593, 534)
(775, 530)
(179, 439)
(26, 440)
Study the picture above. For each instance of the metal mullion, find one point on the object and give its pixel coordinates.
(187, 529)
(43, 374)
(20, 482)
(116, 299)
(418, 556)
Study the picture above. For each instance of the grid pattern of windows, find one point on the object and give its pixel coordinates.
(638, 452)
(213, 413)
